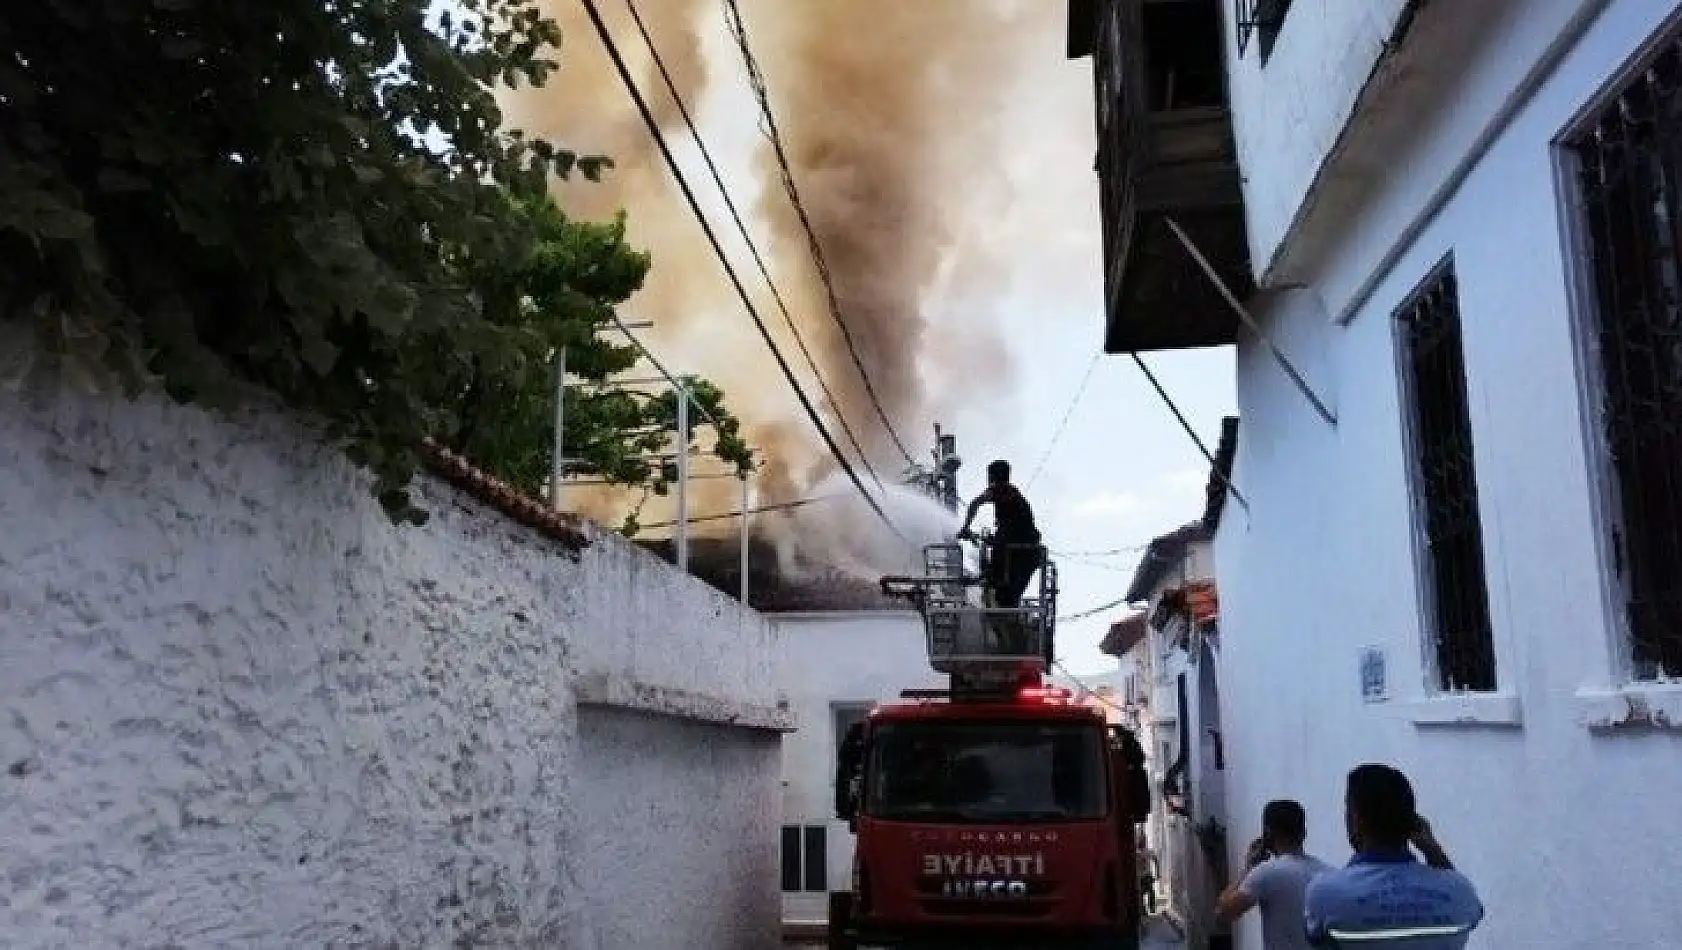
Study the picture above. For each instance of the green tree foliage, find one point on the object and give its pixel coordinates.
(318, 197)
(563, 295)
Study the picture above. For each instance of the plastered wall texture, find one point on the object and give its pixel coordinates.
(1563, 779)
(239, 708)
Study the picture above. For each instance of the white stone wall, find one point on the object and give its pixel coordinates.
(827, 658)
(1541, 805)
(240, 708)
(1287, 113)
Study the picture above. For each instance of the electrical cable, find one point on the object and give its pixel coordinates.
(1093, 611)
(742, 228)
(733, 515)
(1214, 468)
(756, 81)
(1109, 552)
(653, 125)
(1104, 700)
(1080, 391)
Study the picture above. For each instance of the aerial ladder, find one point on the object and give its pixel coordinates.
(996, 812)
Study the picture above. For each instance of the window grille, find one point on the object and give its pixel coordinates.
(1445, 488)
(1629, 173)
(1261, 19)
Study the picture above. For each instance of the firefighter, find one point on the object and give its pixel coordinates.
(1016, 541)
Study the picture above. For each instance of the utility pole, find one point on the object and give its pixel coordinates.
(557, 466)
(682, 475)
(946, 465)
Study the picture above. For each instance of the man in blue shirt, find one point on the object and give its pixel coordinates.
(1385, 896)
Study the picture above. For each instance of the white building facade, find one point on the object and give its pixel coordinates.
(1462, 225)
(833, 665)
(1457, 542)
(1173, 648)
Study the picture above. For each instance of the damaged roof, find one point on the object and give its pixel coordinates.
(814, 588)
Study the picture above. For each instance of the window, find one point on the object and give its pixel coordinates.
(986, 771)
(1445, 487)
(1262, 19)
(1182, 46)
(1629, 162)
(805, 858)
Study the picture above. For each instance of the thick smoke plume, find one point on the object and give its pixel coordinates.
(887, 110)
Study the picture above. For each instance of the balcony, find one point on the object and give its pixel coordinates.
(1165, 150)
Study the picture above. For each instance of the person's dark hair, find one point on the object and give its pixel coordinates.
(1286, 821)
(1382, 801)
(998, 471)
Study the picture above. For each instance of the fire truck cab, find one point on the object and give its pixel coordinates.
(996, 813)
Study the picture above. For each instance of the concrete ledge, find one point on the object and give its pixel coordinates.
(1475, 709)
(1634, 708)
(617, 692)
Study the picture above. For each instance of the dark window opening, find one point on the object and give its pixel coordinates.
(1630, 175)
(1262, 19)
(791, 857)
(986, 772)
(1446, 490)
(817, 858)
(1183, 55)
(805, 858)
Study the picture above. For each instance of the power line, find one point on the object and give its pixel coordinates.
(1214, 468)
(733, 515)
(756, 81)
(1108, 552)
(1095, 610)
(653, 125)
(1089, 690)
(753, 249)
(1080, 391)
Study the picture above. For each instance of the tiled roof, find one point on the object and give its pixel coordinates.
(1123, 634)
(562, 526)
(1163, 553)
(715, 560)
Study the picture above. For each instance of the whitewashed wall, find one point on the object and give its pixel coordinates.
(827, 658)
(1543, 806)
(241, 709)
(1287, 113)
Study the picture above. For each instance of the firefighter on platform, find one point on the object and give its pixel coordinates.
(1016, 541)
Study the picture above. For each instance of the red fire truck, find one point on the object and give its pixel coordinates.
(997, 812)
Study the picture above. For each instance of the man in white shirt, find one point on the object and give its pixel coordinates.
(1276, 876)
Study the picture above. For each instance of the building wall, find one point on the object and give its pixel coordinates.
(243, 709)
(1287, 113)
(1535, 798)
(856, 657)
(1188, 877)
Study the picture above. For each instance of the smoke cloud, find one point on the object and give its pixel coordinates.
(889, 113)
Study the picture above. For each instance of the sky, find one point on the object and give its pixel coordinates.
(1122, 471)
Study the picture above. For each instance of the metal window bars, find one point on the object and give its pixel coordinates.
(1629, 175)
(1445, 480)
(1261, 18)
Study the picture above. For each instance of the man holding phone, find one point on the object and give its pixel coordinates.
(1385, 896)
(1276, 876)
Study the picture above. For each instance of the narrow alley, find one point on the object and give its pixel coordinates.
(1118, 474)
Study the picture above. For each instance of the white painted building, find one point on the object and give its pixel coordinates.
(833, 665)
(1174, 644)
(1459, 548)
